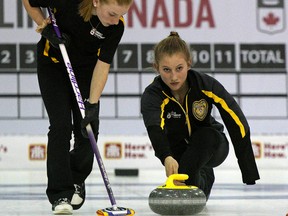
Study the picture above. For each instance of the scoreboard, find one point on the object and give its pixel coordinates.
(261, 57)
(227, 62)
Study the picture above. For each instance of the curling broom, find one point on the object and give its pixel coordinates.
(114, 210)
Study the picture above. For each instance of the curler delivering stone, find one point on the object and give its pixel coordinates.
(170, 199)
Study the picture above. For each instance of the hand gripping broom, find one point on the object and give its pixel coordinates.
(114, 210)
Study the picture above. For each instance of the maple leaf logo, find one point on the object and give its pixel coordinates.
(271, 19)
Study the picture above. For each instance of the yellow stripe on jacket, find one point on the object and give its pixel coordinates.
(227, 109)
(162, 112)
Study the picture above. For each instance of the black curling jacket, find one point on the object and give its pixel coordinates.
(84, 49)
(176, 122)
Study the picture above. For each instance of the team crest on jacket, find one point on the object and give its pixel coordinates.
(200, 109)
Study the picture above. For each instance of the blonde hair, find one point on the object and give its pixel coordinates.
(169, 46)
(86, 7)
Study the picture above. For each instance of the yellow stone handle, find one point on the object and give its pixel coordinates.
(179, 177)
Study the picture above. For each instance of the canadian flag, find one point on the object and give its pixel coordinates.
(271, 16)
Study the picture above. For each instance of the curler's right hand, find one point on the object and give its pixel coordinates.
(92, 118)
(171, 166)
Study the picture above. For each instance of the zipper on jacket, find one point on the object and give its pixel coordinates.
(184, 111)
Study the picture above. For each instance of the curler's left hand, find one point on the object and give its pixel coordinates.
(49, 33)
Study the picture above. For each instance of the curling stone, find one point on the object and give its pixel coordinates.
(171, 199)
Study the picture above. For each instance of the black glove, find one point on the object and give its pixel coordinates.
(50, 34)
(92, 117)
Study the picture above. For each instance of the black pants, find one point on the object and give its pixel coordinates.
(64, 167)
(207, 148)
